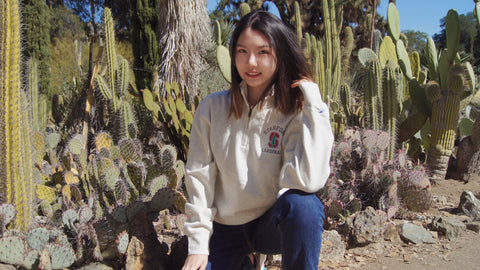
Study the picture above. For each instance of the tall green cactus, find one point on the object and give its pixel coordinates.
(114, 85)
(16, 162)
(391, 106)
(298, 22)
(373, 95)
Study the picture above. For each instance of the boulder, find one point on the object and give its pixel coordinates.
(415, 234)
(448, 226)
(469, 205)
(366, 226)
(333, 247)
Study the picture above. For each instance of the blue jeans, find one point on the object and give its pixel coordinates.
(293, 227)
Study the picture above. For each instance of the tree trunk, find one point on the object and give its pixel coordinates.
(184, 28)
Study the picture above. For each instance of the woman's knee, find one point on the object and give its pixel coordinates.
(302, 207)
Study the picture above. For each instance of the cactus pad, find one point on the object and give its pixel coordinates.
(162, 200)
(119, 214)
(404, 60)
(61, 256)
(7, 213)
(224, 62)
(179, 201)
(383, 140)
(121, 192)
(38, 237)
(103, 140)
(70, 178)
(12, 250)
(85, 214)
(134, 208)
(393, 20)
(69, 218)
(387, 52)
(366, 55)
(127, 149)
(156, 184)
(122, 242)
(46, 193)
(76, 144)
(31, 259)
(369, 139)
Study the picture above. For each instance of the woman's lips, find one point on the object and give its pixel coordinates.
(253, 74)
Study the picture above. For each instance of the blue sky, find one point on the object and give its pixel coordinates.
(419, 15)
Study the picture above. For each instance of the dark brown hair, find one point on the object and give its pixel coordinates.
(291, 63)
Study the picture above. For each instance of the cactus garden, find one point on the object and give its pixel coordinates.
(96, 117)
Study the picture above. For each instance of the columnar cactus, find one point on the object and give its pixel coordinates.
(16, 164)
(391, 106)
(373, 95)
(445, 102)
(114, 85)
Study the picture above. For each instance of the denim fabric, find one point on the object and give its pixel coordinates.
(293, 227)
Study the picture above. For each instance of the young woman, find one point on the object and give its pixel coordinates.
(257, 154)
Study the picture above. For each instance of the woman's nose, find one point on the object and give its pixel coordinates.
(252, 60)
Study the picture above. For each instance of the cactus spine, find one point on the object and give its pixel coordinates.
(16, 166)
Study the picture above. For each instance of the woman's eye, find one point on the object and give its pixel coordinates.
(241, 51)
(264, 52)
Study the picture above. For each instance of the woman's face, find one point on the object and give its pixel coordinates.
(255, 60)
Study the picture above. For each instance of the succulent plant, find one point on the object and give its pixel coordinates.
(363, 175)
(16, 162)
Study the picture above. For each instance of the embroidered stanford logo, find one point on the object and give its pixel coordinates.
(274, 139)
(273, 136)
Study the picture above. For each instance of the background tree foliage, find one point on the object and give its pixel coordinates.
(36, 30)
(144, 19)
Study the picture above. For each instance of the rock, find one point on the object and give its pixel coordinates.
(415, 234)
(333, 247)
(391, 233)
(466, 149)
(469, 205)
(367, 226)
(448, 226)
(473, 226)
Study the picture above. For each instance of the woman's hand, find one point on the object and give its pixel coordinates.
(297, 83)
(196, 262)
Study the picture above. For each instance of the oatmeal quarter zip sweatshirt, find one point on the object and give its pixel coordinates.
(237, 168)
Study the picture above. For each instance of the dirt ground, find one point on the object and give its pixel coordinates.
(462, 253)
